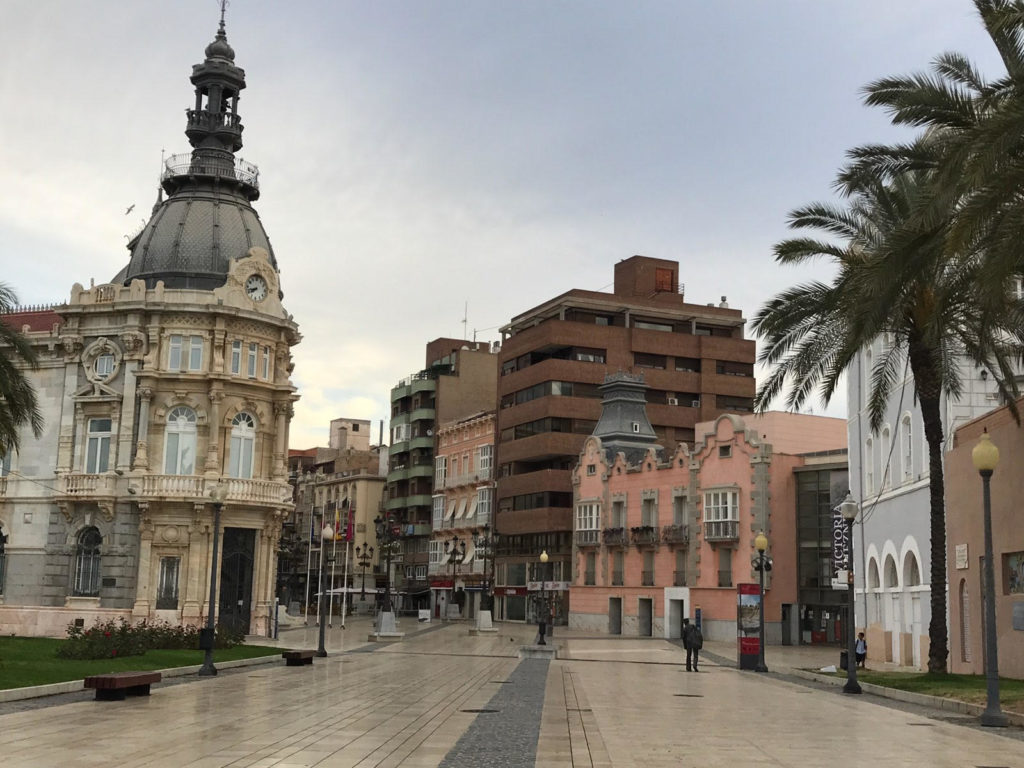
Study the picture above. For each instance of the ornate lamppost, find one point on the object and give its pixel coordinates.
(364, 555)
(986, 457)
(455, 549)
(326, 534)
(206, 639)
(542, 618)
(761, 564)
(848, 509)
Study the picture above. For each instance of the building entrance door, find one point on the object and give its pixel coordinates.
(787, 624)
(646, 617)
(614, 615)
(236, 578)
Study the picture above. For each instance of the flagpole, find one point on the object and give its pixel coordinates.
(334, 559)
(309, 563)
(344, 582)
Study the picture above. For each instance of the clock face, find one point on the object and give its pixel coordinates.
(256, 288)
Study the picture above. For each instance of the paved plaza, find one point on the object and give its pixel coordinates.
(444, 698)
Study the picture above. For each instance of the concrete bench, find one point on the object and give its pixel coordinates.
(297, 658)
(116, 685)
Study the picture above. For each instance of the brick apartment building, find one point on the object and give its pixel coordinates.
(695, 360)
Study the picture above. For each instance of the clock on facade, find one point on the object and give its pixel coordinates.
(256, 288)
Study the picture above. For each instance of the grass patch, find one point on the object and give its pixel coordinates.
(28, 661)
(969, 688)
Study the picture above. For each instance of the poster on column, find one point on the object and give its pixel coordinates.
(840, 549)
(748, 624)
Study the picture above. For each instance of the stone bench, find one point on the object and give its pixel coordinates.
(297, 658)
(116, 685)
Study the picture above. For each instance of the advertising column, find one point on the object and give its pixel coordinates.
(748, 625)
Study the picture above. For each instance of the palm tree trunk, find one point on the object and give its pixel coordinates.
(938, 640)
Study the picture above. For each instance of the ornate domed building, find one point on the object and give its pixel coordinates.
(164, 391)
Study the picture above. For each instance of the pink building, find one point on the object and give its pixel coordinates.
(460, 565)
(965, 544)
(659, 535)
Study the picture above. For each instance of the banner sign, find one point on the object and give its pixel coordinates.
(547, 586)
(840, 550)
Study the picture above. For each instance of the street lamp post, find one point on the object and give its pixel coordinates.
(485, 542)
(542, 618)
(848, 509)
(218, 494)
(761, 564)
(364, 555)
(326, 534)
(387, 536)
(455, 549)
(986, 457)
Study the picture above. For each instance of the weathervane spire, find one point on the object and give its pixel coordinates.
(223, 7)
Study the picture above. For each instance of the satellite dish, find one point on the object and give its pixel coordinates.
(430, 433)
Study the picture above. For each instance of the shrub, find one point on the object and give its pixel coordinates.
(110, 639)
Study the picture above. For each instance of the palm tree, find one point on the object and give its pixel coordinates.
(895, 276)
(18, 405)
(975, 129)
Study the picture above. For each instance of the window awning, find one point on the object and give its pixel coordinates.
(462, 508)
(472, 506)
(451, 510)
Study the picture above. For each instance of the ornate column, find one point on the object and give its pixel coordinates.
(212, 466)
(282, 412)
(197, 569)
(142, 447)
(143, 589)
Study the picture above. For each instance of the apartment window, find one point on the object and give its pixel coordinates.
(869, 469)
(485, 455)
(688, 364)
(886, 451)
(618, 514)
(724, 567)
(483, 506)
(97, 453)
(438, 516)
(266, 375)
(167, 586)
(243, 440)
(591, 470)
(721, 505)
(440, 470)
(590, 570)
(251, 368)
(180, 443)
(236, 357)
(644, 360)
(652, 326)
(195, 353)
(104, 366)
(436, 551)
(588, 517)
(618, 564)
(87, 563)
(421, 572)
(907, 452)
(647, 575)
(649, 511)
(400, 433)
(174, 353)
(679, 510)
(679, 579)
(724, 451)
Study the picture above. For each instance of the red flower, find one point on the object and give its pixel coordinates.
(106, 634)
(114, 652)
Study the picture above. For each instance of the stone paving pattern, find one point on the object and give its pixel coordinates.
(604, 702)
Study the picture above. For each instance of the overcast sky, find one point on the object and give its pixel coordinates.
(418, 156)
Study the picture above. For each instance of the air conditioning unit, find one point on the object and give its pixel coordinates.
(695, 403)
(673, 401)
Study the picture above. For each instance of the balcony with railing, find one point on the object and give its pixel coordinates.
(675, 535)
(617, 578)
(647, 578)
(644, 535)
(679, 579)
(588, 538)
(614, 537)
(589, 578)
(467, 478)
(721, 530)
(186, 165)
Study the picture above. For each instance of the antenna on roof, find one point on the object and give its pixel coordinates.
(465, 319)
(223, 7)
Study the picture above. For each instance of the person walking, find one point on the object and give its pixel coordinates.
(693, 641)
(860, 650)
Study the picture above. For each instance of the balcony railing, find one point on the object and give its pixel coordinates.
(675, 534)
(196, 487)
(679, 579)
(89, 485)
(644, 535)
(185, 165)
(616, 578)
(647, 578)
(467, 478)
(588, 538)
(589, 578)
(721, 530)
(614, 537)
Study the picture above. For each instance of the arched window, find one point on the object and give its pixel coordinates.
(180, 445)
(906, 449)
(243, 438)
(892, 579)
(873, 580)
(884, 467)
(869, 466)
(87, 562)
(911, 571)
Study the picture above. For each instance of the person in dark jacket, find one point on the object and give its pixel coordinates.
(693, 641)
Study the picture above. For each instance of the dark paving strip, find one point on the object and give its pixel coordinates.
(509, 736)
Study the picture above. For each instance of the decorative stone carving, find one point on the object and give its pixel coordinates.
(170, 534)
(134, 343)
(72, 344)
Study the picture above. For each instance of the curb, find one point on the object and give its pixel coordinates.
(74, 686)
(922, 699)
